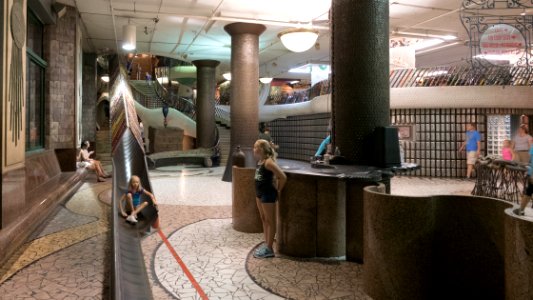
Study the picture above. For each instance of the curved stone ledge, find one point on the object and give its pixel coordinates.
(445, 247)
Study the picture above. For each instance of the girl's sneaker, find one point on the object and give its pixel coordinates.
(264, 252)
(131, 219)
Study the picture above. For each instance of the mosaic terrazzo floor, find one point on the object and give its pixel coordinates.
(67, 258)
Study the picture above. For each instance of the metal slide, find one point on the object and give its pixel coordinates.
(129, 279)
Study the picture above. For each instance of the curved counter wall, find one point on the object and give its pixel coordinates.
(320, 213)
(445, 247)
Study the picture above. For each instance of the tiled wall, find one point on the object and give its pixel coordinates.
(299, 137)
(433, 143)
(60, 97)
(89, 98)
(438, 134)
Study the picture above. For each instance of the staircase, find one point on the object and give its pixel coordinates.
(144, 88)
(224, 142)
(103, 148)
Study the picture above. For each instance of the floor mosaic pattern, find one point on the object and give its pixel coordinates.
(308, 279)
(67, 259)
(83, 203)
(215, 255)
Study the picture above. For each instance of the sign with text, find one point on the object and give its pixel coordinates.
(502, 42)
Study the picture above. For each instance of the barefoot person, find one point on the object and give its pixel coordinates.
(85, 161)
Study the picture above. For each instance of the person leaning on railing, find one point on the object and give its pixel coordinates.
(528, 189)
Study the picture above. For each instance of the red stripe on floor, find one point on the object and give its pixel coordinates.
(183, 266)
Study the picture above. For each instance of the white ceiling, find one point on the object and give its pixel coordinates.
(193, 29)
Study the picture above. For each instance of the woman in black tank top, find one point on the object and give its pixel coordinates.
(267, 190)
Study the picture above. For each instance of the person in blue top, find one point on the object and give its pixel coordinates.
(528, 189)
(473, 147)
(133, 199)
(322, 149)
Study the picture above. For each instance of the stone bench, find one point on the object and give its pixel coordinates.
(445, 247)
(202, 156)
(46, 186)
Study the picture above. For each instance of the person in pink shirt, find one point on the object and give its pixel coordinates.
(507, 151)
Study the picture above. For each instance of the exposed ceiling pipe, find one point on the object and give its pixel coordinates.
(182, 31)
(440, 16)
(214, 17)
(438, 48)
(156, 20)
(114, 24)
(434, 18)
(267, 22)
(214, 12)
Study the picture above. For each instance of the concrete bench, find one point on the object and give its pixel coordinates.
(201, 156)
(46, 186)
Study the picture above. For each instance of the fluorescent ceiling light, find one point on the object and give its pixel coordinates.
(509, 58)
(299, 39)
(427, 43)
(227, 76)
(129, 37)
(308, 68)
(427, 34)
(265, 80)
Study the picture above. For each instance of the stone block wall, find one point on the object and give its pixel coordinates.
(165, 139)
(88, 117)
(60, 93)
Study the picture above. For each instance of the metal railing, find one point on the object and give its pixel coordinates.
(461, 76)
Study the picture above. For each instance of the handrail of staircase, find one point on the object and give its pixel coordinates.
(222, 116)
(183, 105)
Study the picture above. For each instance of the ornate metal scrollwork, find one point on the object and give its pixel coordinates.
(477, 18)
(16, 90)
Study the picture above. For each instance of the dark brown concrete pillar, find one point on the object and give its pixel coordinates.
(205, 102)
(360, 55)
(244, 101)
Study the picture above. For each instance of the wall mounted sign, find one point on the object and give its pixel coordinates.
(502, 41)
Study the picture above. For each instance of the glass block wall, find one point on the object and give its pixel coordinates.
(498, 130)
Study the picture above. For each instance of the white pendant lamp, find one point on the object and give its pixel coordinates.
(298, 39)
(265, 80)
(129, 37)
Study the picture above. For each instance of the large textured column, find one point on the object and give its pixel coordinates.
(244, 101)
(360, 55)
(205, 102)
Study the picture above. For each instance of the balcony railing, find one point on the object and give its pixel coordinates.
(461, 76)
